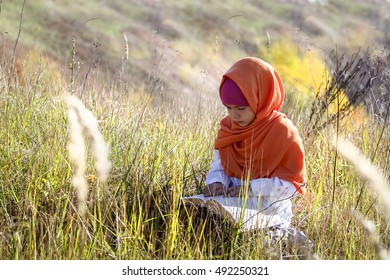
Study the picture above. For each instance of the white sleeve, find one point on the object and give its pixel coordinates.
(273, 187)
(217, 173)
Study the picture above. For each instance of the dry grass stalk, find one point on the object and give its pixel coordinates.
(369, 226)
(346, 79)
(82, 120)
(376, 181)
(367, 170)
(76, 147)
(126, 47)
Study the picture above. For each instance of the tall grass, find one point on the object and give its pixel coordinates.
(161, 147)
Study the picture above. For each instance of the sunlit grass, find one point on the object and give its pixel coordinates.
(161, 146)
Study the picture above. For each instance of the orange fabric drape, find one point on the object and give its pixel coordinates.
(270, 145)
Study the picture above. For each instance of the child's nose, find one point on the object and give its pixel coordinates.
(236, 114)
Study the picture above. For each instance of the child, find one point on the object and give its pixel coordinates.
(258, 151)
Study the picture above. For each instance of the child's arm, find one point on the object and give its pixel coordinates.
(216, 175)
(214, 189)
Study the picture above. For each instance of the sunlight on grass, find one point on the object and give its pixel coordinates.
(160, 150)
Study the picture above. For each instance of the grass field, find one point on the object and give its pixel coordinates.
(160, 149)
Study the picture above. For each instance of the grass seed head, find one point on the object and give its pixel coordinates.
(366, 169)
(82, 120)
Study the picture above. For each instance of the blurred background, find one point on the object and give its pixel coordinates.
(183, 47)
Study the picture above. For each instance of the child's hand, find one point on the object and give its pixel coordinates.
(214, 189)
(233, 191)
(236, 191)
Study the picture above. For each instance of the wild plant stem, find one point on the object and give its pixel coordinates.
(372, 160)
(72, 66)
(13, 58)
(337, 134)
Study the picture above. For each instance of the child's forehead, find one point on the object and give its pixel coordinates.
(234, 106)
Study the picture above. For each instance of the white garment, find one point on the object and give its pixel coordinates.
(271, 196)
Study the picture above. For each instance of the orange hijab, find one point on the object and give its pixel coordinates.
(270, 145)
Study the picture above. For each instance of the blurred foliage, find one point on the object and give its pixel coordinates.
(303, 70)
(210, 34)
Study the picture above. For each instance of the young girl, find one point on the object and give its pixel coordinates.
(258, 151)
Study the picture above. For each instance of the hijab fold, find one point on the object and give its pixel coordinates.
(270, 145)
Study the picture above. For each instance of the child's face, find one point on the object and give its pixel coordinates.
(242, 115)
